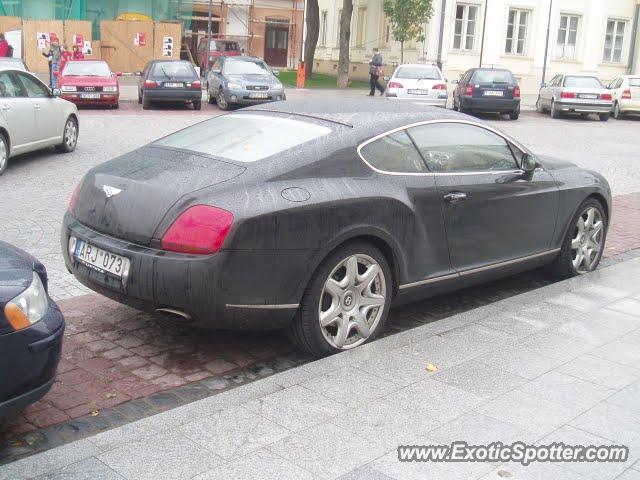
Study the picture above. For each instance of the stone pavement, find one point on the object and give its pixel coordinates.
(560, 363)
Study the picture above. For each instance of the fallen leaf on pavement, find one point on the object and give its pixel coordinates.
(504, 474)
(111, 395)
(431, 367)
(95, 413)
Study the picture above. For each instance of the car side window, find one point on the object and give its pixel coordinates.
(33, 87)
(459, 147)
(393, 153)
(9, 86)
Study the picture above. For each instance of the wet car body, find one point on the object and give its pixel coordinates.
(294, 207)
(90, 82)
(28, 356)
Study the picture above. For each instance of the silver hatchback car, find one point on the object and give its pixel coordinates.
(418, 82)
(582, 94)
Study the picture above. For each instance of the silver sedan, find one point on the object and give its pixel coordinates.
(418, 82)
(582, 94)
(33, 117)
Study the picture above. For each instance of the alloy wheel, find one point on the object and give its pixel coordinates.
(616, 111)
(3, 154)
(222, 102)
(70, 134)
(587, 240)
(352, 301)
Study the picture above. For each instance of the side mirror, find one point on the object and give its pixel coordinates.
(119, 74)
(456, 82)
(446, 81)
(276, 72)
(529, 163)
(56, 92)
(543, 85)
(216, 71)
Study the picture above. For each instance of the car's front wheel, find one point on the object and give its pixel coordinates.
(583, 244)
(222, 102)
(69, 136)
(346, 302)
(4, 153)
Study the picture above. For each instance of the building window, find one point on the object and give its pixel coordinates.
(361, 32)
(516, 31)
(567, 37)
(338, 27)
(613, 41)
(323, 27)
(385, 37)
(464, 35)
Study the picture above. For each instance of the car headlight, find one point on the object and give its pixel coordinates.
(277, 86)
(110, 89)
(234, 86)
(68, 88)
(29, 307)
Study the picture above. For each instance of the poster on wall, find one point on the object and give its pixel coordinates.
(167, 46)
(53, 37)
(43, 40)
(140, 39)
(78, 39)
(86, 48)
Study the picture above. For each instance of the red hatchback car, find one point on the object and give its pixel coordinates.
(88, 82)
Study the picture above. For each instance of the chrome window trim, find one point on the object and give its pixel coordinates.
(430, 122)
(283, 306)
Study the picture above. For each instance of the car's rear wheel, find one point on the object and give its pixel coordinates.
(222, 102)
(539, 107)
(4, 153)
(197, 105)
(584, 242)
(604, 117)
(617, 114)
(146, 103)
(514, 114)
(69, 136)
(555, 113)
(346, 302)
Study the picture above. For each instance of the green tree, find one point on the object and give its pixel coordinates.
(407, 19)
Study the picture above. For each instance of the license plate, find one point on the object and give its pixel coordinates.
(90, 95)
(174, 85)
(258, 95)
(493, 93)
(590, 96)
(418, 91)
(99, 259)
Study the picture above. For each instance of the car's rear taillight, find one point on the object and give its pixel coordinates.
(626, 95)
(605, 96)
(197, 85)
(516, 92)
(201, 229)
(73, 200)
(150, 84)
(439, 86)
(469, 91)
(567, 95)
(395, 85)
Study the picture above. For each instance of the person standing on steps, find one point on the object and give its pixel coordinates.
(375, 72)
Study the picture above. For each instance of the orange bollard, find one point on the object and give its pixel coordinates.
(300, 80)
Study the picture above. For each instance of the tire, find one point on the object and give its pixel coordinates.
(4, 153)
(554, 111)
(116, 106)
(197, 105)
(565, 264)
(515, 114)
(146, 103)
(454, 106)
(210, 100)
(617, 114)
(604, 117)
(139, 98)
(539, 107)
(69, 136)
(221, 101)
(306, 330)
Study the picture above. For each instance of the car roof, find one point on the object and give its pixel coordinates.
(417, 65)
(243, 58)
(169, 61)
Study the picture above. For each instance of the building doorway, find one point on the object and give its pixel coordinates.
(276, 45)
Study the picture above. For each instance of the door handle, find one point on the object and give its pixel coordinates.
(6, 107)
(36, 106)
(455, 197)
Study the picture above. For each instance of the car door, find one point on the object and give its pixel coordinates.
(493, 211)
(48, 114)
(18, 113)
(545, 93)
(461, 86)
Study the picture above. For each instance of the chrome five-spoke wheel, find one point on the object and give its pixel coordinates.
(587, 241)
(352, 301)
(4, 154)
(70, 134)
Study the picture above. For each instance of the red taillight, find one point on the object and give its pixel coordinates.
(469, 91)
(439, 86)
(626, 95)
(150, 84)
(605, 96)
(516, 92)
(395, 85)
(73, 200)
(567, 95)
(201, 230)
(196, 85)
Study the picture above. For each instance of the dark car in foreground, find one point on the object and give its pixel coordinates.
(242, 81)
(31, 328)
(314, 217)
(173, 81)
(488, 90)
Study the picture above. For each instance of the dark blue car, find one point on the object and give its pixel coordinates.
(31, 328)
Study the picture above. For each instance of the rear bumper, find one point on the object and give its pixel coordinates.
(177, 95)
(629, 106)
(577, 107)
(105, 99)
(423, 99)
(490, 104)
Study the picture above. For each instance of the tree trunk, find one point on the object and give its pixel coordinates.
(345, 38)
(401, 52)
(313, 30)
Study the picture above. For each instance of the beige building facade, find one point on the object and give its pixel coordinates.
(586, 36)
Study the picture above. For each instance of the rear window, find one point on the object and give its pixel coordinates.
(493, 76)
(224, 46)
(173, 69)
(87, 69)
(582, 82)
(634, 82)
(416, 73)
(244, 137)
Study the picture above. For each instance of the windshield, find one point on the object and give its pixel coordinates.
(236, 67)
(492, 76)
(224, 46)
(243, 137)
(173, 69)
(12, 63)
(86, 69)
(634, 82)
(582, 82)
(414, 73)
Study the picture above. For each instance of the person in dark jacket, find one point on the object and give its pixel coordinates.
(4, 46)
(375, 69)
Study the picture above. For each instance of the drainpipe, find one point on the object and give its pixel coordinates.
(546, 45)
(484, 24)
(206, 66)
(443, 9)
(634, 38)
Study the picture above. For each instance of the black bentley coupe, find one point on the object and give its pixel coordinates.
(315, 217)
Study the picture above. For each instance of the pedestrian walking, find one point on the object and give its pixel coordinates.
(55, 57)
(77, 53)
(4, 46)
(375, 72)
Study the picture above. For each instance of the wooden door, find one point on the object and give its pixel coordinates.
(276, 46)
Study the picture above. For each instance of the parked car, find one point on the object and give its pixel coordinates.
(31, 328)
(242, 81)
(220, 47)
(169, 81)
(424, 83)
(13, 63)
(315, 216)
(582, 94)
(625, 91)
(90, 83)
(33, 117)
(487, 90)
